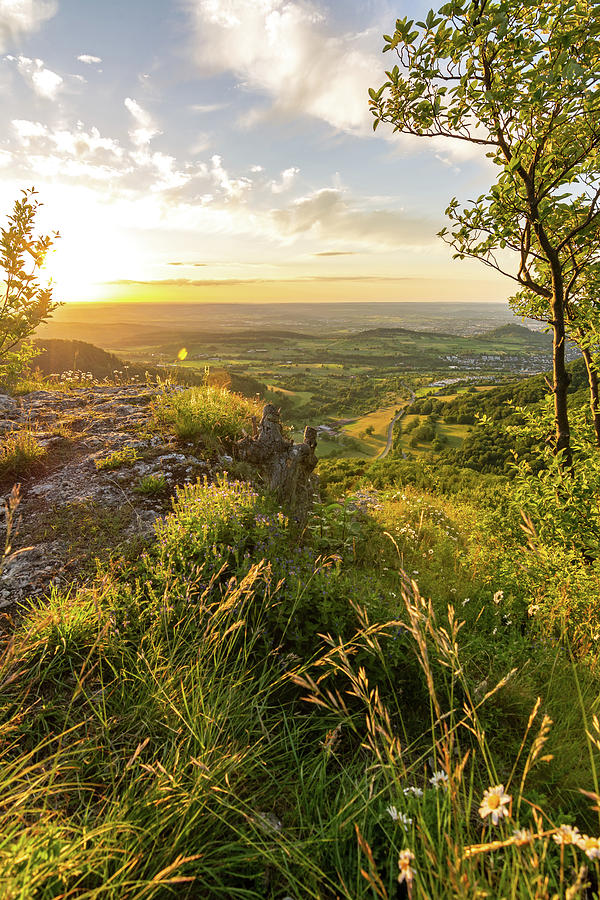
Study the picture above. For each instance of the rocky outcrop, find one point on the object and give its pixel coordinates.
(71, 507)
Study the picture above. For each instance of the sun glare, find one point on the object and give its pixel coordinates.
(93, 248)
(81, 264)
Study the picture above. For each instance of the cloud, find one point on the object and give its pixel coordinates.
(85, 153)
(207, 107)
(146, 127)
(232, 187)
(77, 142)
(337, 253)
(228, 282)
(44, 82)
(327, 214)
(286, 50)
(194, 265)
(286, 180)
(19, 17)
(89, 60)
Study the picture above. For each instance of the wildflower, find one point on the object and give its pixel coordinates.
(522, 836)
(494, 803)
(438, 779)
(498, 597)
(567, 834)
(590, 846)
(415, 791)
(399, 817)
(405, 872)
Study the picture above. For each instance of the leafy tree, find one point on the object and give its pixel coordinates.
(25, 302)
(582, 323)
(520, 81)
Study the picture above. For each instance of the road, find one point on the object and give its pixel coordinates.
(390, 436)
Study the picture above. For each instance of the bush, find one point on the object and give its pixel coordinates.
(209, 413)
(19, 453)
(151, 485)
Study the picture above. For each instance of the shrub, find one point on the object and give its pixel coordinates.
(150, 485)
(210, 413)
(19, 453)
(26, 303)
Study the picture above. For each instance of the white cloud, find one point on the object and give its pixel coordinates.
(232, 187)
(44, 82)
(327, 214)
(286, 180)
(27, 130)
(18, 17)
(284, 49)
(78, 142)
(146, 126)
(164, 170)
(89, 60)
(204, 108)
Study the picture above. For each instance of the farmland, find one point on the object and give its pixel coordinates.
(334, 373)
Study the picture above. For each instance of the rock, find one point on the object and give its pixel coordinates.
(85, 424)
(7, 405)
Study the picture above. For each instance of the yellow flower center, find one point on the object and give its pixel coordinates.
(493, 801)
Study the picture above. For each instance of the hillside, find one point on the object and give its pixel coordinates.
(57, 357)
(204, 697)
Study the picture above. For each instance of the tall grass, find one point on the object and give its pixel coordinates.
(163, 734)
(210, 413)
(20, 451)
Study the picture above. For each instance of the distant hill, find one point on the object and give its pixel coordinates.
(520, 333)
(58, 356)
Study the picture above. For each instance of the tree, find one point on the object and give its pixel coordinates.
(582, 323)
(521, 82)
(25, 302)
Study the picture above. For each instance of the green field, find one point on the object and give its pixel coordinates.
(379, 420)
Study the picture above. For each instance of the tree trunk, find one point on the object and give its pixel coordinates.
(594, 395)
(561, 377)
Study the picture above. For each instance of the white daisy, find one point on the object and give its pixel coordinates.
(494, 803)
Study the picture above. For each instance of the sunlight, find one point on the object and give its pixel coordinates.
(91, 250)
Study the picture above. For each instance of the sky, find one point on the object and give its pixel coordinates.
(223, 150)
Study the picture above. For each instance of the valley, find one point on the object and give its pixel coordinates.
(347, 368)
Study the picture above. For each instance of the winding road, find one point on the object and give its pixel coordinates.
(390, 435)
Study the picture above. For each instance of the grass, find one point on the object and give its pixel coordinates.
(379, 421)
(151, 485)
(211, 414)
(453, 435)
(88, 528)
(20, 453)
(117, 459)
(233, 715)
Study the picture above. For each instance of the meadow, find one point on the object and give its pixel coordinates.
(393, 702)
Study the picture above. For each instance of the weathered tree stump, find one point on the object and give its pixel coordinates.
(286, 467)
